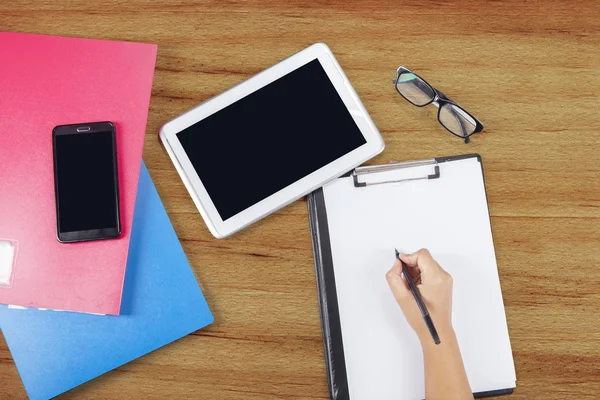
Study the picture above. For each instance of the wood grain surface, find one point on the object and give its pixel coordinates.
(529, 71)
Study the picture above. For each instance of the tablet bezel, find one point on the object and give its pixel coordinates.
(219, 228)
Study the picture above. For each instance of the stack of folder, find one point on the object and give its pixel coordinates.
(71, 312)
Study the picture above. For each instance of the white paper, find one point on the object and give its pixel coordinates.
(449, 216)
(7, 254)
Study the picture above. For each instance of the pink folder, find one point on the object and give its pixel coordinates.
(47, 81)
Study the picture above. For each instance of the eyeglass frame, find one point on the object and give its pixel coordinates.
(439, 100)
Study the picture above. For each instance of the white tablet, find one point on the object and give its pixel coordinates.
(270, 140)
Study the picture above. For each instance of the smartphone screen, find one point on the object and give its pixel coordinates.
(86, 182)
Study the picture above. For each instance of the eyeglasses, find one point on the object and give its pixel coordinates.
(420, 93)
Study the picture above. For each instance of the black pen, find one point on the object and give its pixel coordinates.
(419, 300)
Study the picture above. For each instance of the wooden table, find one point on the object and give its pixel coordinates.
(530, 72)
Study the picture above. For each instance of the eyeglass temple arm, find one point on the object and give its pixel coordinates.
(444, 97)
(461, 124)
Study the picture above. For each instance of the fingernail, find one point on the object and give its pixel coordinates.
(402, 276)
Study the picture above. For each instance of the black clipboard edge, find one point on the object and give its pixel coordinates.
(493, 393)
(459, 157)
(328, 305)
(327, 294)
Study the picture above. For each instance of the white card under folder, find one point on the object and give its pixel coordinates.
(356, 222)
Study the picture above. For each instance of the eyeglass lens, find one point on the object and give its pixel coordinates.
(414, 89)
(456, 120)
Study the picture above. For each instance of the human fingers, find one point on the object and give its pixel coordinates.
(424, 261)
(397, 282)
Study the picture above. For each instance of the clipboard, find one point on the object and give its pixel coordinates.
(427, 172)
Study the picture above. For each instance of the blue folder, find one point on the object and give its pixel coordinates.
(55, 351)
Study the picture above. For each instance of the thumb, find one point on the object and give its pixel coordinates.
(397, 282)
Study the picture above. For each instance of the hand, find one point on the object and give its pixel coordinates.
(435, 286)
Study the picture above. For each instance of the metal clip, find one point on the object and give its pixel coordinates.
(392, 167)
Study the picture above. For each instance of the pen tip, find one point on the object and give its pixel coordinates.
(397, 254)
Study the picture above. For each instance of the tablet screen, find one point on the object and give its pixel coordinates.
(270, 139)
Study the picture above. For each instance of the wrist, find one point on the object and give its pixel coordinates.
(445, 333)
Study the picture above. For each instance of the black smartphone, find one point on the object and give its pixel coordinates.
(86, 182)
